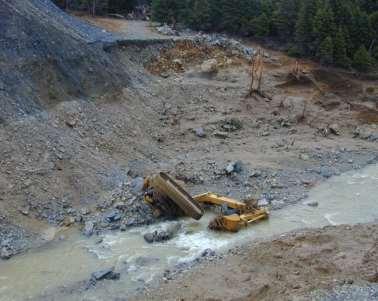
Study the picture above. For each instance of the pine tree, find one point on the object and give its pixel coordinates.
(325, 51)
(342, 12)
(373, 19)
(324, 24)
(340, 49)
(285, 17)
(304, 35)
(251, 10)
(359, 29)
(232, 15)
(331, 30)
(200, 15)
(165, 11)
(362, 61)
(261, 25)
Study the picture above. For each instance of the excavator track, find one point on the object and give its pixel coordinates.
(165, 185)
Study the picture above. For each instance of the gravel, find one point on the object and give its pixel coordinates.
(348, 293)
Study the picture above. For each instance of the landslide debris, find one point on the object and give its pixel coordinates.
(67, 134)
(47, 56)
(186, 53)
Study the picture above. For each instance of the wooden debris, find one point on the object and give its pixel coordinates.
(298, 75)
(257, 70)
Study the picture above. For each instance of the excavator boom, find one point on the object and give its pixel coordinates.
(214, 199)
(162, 192)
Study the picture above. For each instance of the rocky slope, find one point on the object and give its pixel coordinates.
(47, 56)
(65, 118)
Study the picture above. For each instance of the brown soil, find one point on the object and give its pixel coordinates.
(286, 268)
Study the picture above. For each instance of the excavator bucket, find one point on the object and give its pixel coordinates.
(235, 222)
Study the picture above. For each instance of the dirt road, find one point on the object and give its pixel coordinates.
(130, 30)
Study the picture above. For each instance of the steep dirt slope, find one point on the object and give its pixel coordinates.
(47, 56)
(70, 119)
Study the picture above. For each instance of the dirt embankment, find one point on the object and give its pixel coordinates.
(63, 118)
(328, 264)
(47, 56)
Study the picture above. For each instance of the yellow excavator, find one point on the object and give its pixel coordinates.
(168, 198)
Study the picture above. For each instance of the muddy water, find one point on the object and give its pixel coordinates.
(349, 198)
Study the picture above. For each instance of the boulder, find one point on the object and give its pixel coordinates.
(334, 129)
(221, 134)
(311, 203)
(209, 66)
(367, 132)
(136, 185)
(200, 132)
(5, 253)
(208, 253)
(88, 228)
(164, 234)
(108, 274)
(113, 216)
(236, 167)
(166, 30)
(296, 107)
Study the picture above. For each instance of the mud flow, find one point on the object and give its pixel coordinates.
(346, 199)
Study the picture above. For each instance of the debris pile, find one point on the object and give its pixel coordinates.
(210, 40)
(212, 52)
(186, 53)
(217, 40)
(122, 209)
(166, 30)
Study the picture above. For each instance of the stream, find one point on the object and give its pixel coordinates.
(346, 199)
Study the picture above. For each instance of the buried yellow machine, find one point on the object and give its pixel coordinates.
(168, 198)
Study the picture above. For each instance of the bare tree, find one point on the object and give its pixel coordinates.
(257, 70)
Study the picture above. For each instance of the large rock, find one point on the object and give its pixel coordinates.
(209, 66)
(88, 228)
(113, 215)
(5, 253)
(136, 185)
(166, 30)
(234, 167)
(367, 132)
(108, 274)
(200, 132)
(163, 234)
(296, 107)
